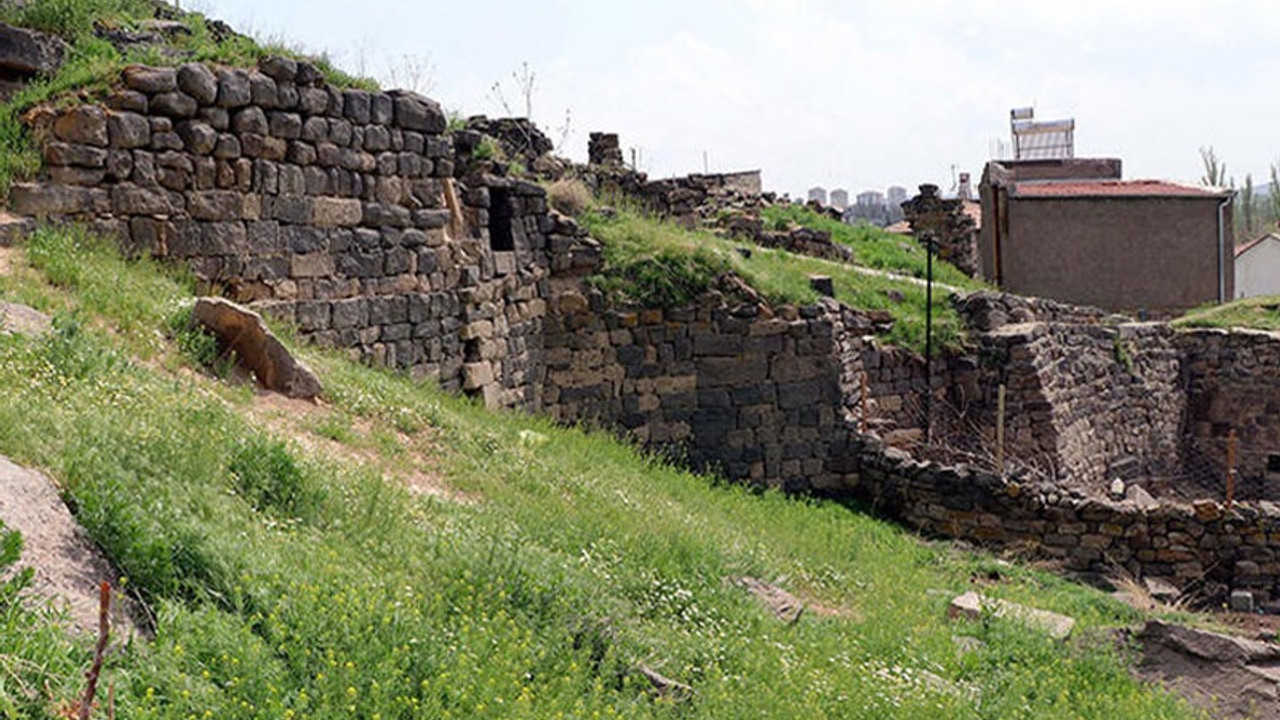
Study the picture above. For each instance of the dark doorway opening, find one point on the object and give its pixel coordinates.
(501, 215)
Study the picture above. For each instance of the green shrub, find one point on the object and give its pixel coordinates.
(666, 279)
(10, 551)
(198, 346)
(266, 474)
(488, 149)
(72, 19)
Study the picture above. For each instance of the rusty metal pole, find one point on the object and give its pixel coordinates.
(1231, 468)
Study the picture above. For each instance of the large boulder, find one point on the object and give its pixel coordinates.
(256, 349)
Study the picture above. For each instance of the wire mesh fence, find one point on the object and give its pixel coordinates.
(1225, 466)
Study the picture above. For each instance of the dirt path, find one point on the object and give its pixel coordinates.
(8, 259)
(904, 278)
(295, 419)
(68, 565)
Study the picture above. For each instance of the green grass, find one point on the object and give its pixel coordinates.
(652, 262)
(92, 64)
(1259, 313)
(289, 584)
(872, 247)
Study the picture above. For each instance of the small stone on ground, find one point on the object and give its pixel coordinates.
(784, 605)
(971, 605)
(18, 319)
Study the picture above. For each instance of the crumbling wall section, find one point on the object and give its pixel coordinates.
(953, 232)
(1203, 547)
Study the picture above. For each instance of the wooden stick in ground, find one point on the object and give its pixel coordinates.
(1231, 468)
(99, 651)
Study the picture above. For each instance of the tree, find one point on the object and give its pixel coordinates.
(413, 72)
(523, 78)
(1273, 192)
(1215, 171)
(1246, 199)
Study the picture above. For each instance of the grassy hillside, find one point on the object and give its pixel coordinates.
(92, 63)
(651, 261)
(1261, 313)
(399, 553)
(873, 247)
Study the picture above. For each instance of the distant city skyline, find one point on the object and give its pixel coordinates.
(878, 208)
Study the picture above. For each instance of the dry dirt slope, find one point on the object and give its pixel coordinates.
(68, 565)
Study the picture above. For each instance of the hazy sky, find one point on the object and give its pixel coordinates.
(841, 94)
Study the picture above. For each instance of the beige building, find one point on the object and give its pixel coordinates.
(1073, 230)
(1258, 267)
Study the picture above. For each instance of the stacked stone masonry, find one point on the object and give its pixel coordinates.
(1201, 546)
(341, 210)
(353, 214)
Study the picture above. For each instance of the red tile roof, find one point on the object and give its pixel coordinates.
(1242, 249)
(1110, 188)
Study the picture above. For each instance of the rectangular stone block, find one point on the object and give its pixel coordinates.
(731, 371)
(312, 265)
(215, 205)
(477, 375)
(336, 212)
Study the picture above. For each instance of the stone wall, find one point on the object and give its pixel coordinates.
(1084, 403)
(776, 400)
(353, 215)
(755, 396)
(1231, 386)
(691, 201)
(350, 213)
(1200, 546)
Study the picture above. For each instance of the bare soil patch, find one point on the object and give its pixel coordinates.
(1226, 676)
(415, 468)
(68, 565)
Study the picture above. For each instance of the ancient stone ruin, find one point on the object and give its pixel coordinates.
(358, 218)
(945, 222)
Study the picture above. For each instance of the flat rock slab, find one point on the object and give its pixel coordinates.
(784, 605)
(256, 348)
(1162, 589)
(68, 565)
(971, 605)
(1229, 677)
(22, 320)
